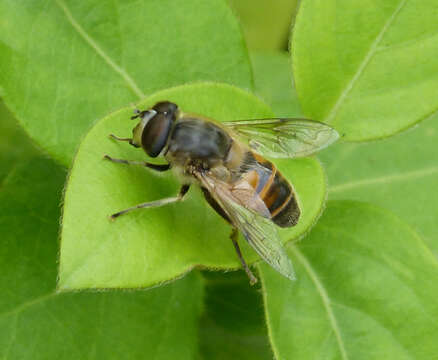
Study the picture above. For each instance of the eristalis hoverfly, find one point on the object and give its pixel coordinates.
(226, 161)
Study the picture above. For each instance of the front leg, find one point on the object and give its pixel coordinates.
(157, 167)
(114, 137)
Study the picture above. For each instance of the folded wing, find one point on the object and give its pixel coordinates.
(249, 214)
(284, 138)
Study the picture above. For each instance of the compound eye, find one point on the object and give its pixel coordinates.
(138, 130)
(166, 107)
(155, 134)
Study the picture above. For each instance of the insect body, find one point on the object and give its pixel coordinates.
(226, 161)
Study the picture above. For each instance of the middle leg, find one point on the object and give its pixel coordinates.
(156, 203)
(157, 167)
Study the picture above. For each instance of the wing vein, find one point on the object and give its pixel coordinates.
(285, 138)
(371, 51)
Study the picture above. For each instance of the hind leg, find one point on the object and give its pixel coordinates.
(233, 237)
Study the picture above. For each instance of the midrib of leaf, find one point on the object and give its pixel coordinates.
(28, 304)
(372, 50)
(129, 80)
(384, 179)
(325, 299)
(379, 324)
(8, 176)
(13, 337)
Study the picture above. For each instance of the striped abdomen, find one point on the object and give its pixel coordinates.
(273, 188)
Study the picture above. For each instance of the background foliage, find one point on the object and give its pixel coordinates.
(367, 271)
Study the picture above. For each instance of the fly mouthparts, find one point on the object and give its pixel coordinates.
(137, 113)
(142, 114)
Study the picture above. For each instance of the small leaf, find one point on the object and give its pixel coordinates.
(233, 325)
(36, 322)
(64, 64)
(155, 245)
(367, 67)
(274, 82)
(366, 289)
(400, 174)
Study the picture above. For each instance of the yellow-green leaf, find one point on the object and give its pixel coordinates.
(367, 67)
(64, 64)
(366, 289)
(39, 323)
(155, 245)
(399, 173)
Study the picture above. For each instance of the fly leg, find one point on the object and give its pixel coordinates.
(233, 237)
(112, 136)
(157, 167)
(156, 203)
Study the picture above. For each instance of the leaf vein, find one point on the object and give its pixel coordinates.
(12, 337)
(415, 41)
(325, 300)
(372, 50)
(122, 72)
(379, 324)
(28, 304)
(384, 179)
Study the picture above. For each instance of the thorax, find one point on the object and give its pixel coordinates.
(197, 140)
(208, 146)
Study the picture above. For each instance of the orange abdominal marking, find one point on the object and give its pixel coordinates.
(268, 184)
(277, 211)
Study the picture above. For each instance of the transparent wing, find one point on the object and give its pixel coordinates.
(284, 138)
(253, 220)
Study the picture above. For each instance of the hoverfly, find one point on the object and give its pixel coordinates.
(226, 161)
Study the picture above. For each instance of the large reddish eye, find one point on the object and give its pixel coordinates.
(155, 134)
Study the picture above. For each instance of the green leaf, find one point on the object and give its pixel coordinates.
(14, 144)
(265, 24)
(233, 325)
(366, 289)
(399, 173)
(65, 64)
(150, 246)
(367, 67)
(274, 82)
(36, 322)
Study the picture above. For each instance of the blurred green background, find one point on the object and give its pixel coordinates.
(266, 24)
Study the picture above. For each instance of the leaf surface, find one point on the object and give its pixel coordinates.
(274, 82)
(265, 24)
(400, 174)
(366, 67)
(14, 144)
(36, 322)
(233, 325)
(366, 289)
(150, 246)
(64, 64)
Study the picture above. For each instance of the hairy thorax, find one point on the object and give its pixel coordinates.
(198, 144)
